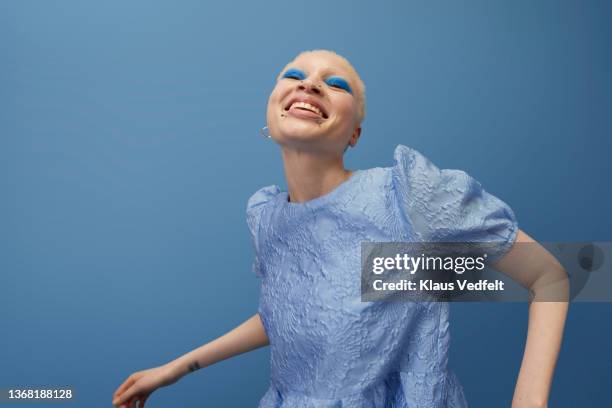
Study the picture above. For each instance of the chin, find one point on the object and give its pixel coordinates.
(300, 134)
(301, 131)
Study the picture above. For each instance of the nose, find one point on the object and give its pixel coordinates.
(309, 85)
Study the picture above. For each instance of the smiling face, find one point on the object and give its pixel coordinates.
(316, 103)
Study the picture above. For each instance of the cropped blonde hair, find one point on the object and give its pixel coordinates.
(359, 92)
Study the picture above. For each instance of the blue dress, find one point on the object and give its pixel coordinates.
(330, 349)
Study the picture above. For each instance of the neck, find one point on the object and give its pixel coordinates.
(312, 174)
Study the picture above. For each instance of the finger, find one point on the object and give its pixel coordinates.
(125, 397)
(121, 390)
(126, 384)
(142, 402)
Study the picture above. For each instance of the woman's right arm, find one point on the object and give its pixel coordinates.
(250, 335)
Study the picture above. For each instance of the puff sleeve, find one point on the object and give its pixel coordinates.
(449, 205)
(254, 212)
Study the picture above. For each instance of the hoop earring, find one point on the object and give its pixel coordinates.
(265, 132)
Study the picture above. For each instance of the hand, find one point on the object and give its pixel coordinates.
(138, 386)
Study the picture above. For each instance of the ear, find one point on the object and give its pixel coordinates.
(355, 136)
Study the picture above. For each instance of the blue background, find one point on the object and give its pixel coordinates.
(129, 146)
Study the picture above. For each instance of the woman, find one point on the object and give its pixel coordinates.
(329, 349)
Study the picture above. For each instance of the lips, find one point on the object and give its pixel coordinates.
(298, 105)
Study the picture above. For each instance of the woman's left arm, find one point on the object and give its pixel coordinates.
(535, 268)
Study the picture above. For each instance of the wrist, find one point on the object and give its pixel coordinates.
(177, 368)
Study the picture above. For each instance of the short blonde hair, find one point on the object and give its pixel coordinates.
(360, 91)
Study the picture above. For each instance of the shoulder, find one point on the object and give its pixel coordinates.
(404, 156)
(414, 170)
(257, 202)
(262, 196)
(410, 162)
(448, 203)
(427, 192)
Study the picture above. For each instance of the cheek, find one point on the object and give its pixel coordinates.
(275, 98)
(347, 107)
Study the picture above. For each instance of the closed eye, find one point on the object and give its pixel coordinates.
(340, 83)
(294, 74)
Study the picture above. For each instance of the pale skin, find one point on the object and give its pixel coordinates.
(312, 151)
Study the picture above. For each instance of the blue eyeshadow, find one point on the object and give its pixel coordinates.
(339, 82)
(331, 81)
(294, 73)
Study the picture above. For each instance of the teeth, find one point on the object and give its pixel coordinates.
(307, 106)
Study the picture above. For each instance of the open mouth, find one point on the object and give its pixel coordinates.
(305, 109)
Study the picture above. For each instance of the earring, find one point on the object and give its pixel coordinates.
(265, 132)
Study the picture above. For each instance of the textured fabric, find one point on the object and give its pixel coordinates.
(329, 349)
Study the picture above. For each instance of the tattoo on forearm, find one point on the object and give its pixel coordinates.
(194, 366)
